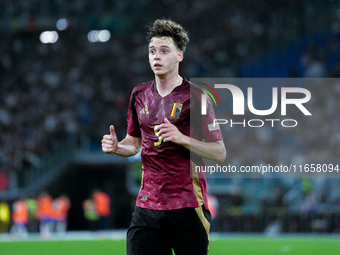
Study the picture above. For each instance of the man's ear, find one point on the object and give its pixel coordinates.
(180, 56)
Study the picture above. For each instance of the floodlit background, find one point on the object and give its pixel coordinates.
(67, 69)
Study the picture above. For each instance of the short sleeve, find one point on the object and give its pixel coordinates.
(209, 131)
(133, 128)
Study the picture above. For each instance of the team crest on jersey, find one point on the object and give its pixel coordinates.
(176, 110)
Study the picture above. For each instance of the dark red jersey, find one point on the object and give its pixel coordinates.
(167, 183)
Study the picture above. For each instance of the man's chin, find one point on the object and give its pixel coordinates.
(159, 73)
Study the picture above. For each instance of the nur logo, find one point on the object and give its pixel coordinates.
(204, 97)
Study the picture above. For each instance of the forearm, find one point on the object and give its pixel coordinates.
(127, 148)
(210, 150)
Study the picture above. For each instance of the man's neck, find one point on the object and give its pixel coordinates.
(167, 84)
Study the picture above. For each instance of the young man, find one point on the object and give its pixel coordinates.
(171, 209)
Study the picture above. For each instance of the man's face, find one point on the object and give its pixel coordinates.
(164, 56)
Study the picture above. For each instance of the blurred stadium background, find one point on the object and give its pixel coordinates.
(67, 69)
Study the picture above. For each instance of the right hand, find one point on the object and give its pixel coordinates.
(110, 142)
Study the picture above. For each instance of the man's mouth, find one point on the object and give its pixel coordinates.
(157, 66)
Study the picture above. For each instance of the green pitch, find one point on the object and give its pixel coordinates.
(233, 245)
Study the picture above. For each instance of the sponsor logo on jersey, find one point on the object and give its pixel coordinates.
(144, 110)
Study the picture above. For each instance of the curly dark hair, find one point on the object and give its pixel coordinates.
(168, 28)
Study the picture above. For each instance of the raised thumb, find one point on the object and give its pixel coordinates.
(112, 130)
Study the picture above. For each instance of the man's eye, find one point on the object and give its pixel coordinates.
(152, 51)
(165, 51)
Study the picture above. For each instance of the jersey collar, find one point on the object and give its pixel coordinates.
(175, 89)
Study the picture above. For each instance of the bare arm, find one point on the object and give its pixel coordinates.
(129, 146)
(210, 150)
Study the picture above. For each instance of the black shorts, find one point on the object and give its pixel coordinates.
(154, 232)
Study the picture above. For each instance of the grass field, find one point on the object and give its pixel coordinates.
(227, 245)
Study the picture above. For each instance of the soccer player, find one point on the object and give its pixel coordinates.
(102, 206)
(20, 218)
(171, 208)
(61, 206)
(45, 212)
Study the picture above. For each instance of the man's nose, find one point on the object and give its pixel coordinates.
(157, 55)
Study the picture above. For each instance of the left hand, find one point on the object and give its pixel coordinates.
(170, 133)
